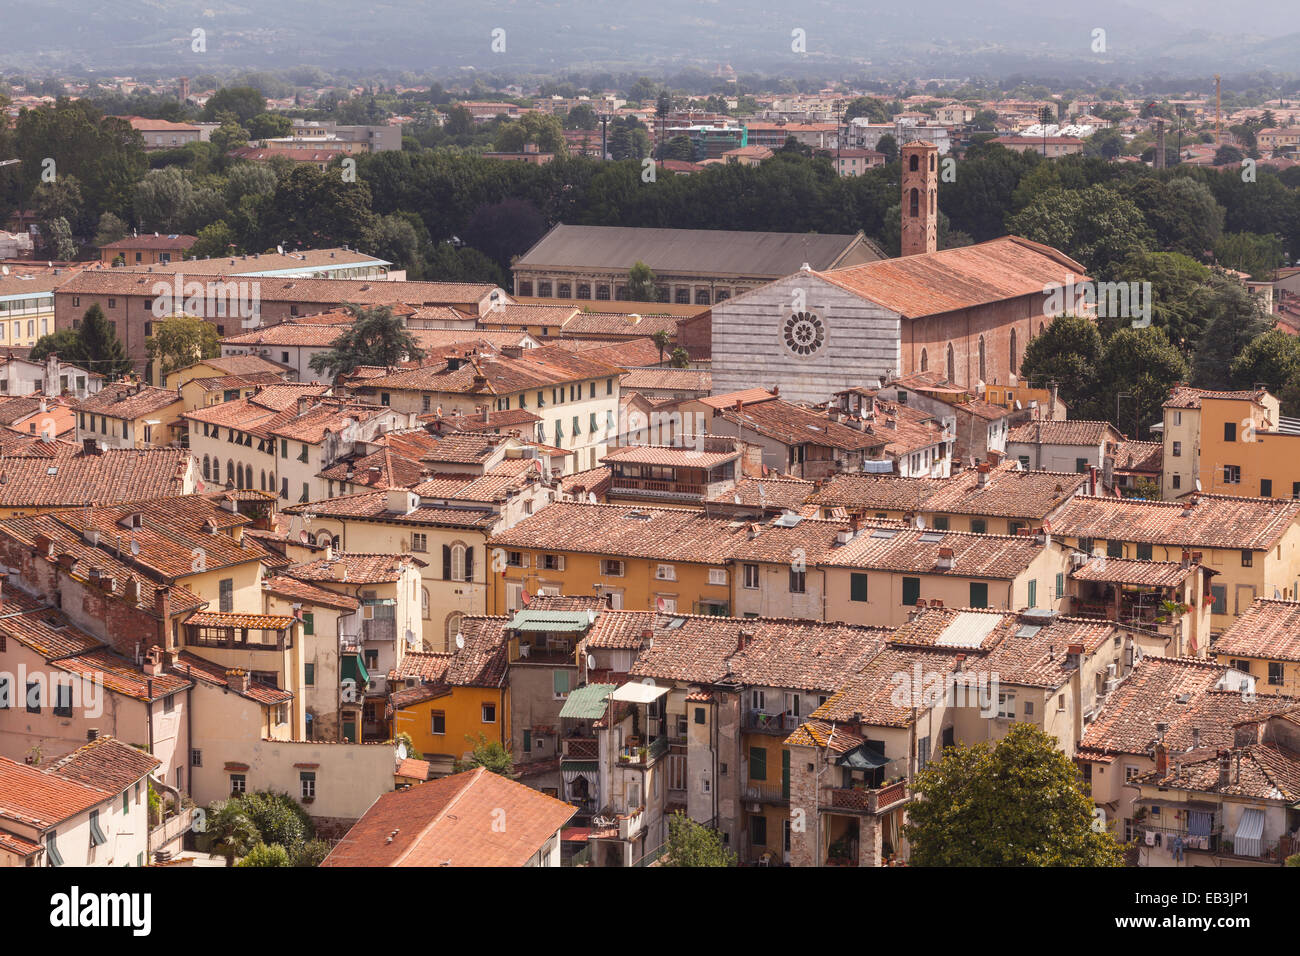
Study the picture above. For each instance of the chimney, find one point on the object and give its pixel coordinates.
(844, 536)
(480, 382)
(153, 661)
(237, 680)
(753, 531)
(401, 501)
(92, 734)
(982, 474)
(945, 559)
(131, 591)
(304, 404)
(1196, 738)
(1073, 654)
(1162, 759)
(1188, 504)
(743, 638)
(89, 446)
(855, 522)
(1225, 766)
(957, 662)
(776, 390)
(1092, 479)
(994, 457)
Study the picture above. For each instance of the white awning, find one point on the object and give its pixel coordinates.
(1249, 838)
(639, 693)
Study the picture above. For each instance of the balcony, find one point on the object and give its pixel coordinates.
(655, 488)
(760, 792)
(645, 755)
(861, 800)
(379, 629)
(581, 748)
(759, 721)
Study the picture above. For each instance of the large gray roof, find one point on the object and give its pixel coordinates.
(693, 251)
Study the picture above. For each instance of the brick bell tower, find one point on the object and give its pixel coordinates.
(920, 197)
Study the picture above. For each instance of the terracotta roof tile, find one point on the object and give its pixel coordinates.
(1070, 432)
(111, 476)
(1267, 629)
(1205, 521)
(106, 764)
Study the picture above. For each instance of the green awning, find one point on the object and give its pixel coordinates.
(355, 670)
(587, 703)
(862, 757)
(551, 621)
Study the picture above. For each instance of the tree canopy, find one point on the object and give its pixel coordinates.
(375, 337)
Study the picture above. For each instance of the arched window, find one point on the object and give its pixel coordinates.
(584, 290)
(1013, 351)
(207, 468)
(912, 163)
(263, 485)
(913, 201)
(323, 539)
(981, 358)
(230, 471)
(932, 202)
(932, 162)
(453, 628)
(424, 603)
(952, 364)
(1042, 327)
(925, 360)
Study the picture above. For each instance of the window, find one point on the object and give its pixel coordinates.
(1081, 465)
(911, 591)
(1144, 552)
(798, 581)
(1114, 549)
(1275, 669)
(923, 751)
(751, 576)
(419, 542)
(226, 589)
(1033, 592)
(665, 572)
(857, 587)
(1247, 558)
(238, 784)
(309, 674)
(758, 830)
(4, 691)
(438, 723)
(1240, 665)
(1178, 449)
(611, 567)
(1220, 594)
(1266, 487)
(757, 763)
(1060, 584)
(940, 522)
(126, 801)
(1232, 474)
(1024, 462)
(979, 526)
(1178, 481)
(307, 784)
(979, 594)
(1007, 706)
(560, 683)
(718, 576)
(51, 850)
(63, 700)
(489, 713)
(196, 758)
(1229, 431)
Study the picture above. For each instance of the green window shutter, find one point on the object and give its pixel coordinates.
(126, 802)
(1033, 593)
(979, 526)
(561, 682)
(1144, 552)
(940, 522)
(757, 763)
(1114, 549)
(528, 741)
(309, 624)
(309, 674)
(857, 587)
(911, 591)
(979, 594)
(785, 774)
(1060, 584)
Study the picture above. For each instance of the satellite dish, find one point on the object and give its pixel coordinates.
(460, 641)
(659, 604)
(648, 681)
(4, 270)
(591, 497)
(1198, 484)
(526, 598)
(920, 521)
(401, 750)
(591, 662)
(304, 537)
(135, 547)
(591, 617)
(410, 637)
(279, 249)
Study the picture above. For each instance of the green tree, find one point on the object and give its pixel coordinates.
(244, 102)
(232, 831)
(1095, 225)
(1234, 316)
(279, 818)
(681, 358)
(487, 753)
(690, 844)
(641, 284)
(1271, 360)
(65, 343)
(1067, 353)
(888, 145)
(313, 208)
(229, 135)
(1249, 252)
(868, 106)
(310, 853)
(1176, 306)
(1136, 369)
(214, 241)
(375, 337)
(538, 129)
(263, 855)
(1228, 156)
(111, 228)
(1016, 803)
(460, 121)
(181, 341)
(581, 116)
(268, 126)
(56, 239)
(100, 347)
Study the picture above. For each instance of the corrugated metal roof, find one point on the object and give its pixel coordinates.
(587, 703)
(546, 621)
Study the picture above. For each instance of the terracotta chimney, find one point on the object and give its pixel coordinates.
(1162, 759)
(237, 680)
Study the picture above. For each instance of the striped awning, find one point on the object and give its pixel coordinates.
(1249, 838)
(551, 621)
(572, 770)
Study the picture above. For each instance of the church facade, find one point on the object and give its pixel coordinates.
(964, 314)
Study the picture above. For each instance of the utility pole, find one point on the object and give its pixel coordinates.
(604, 126)
(1218, 114)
